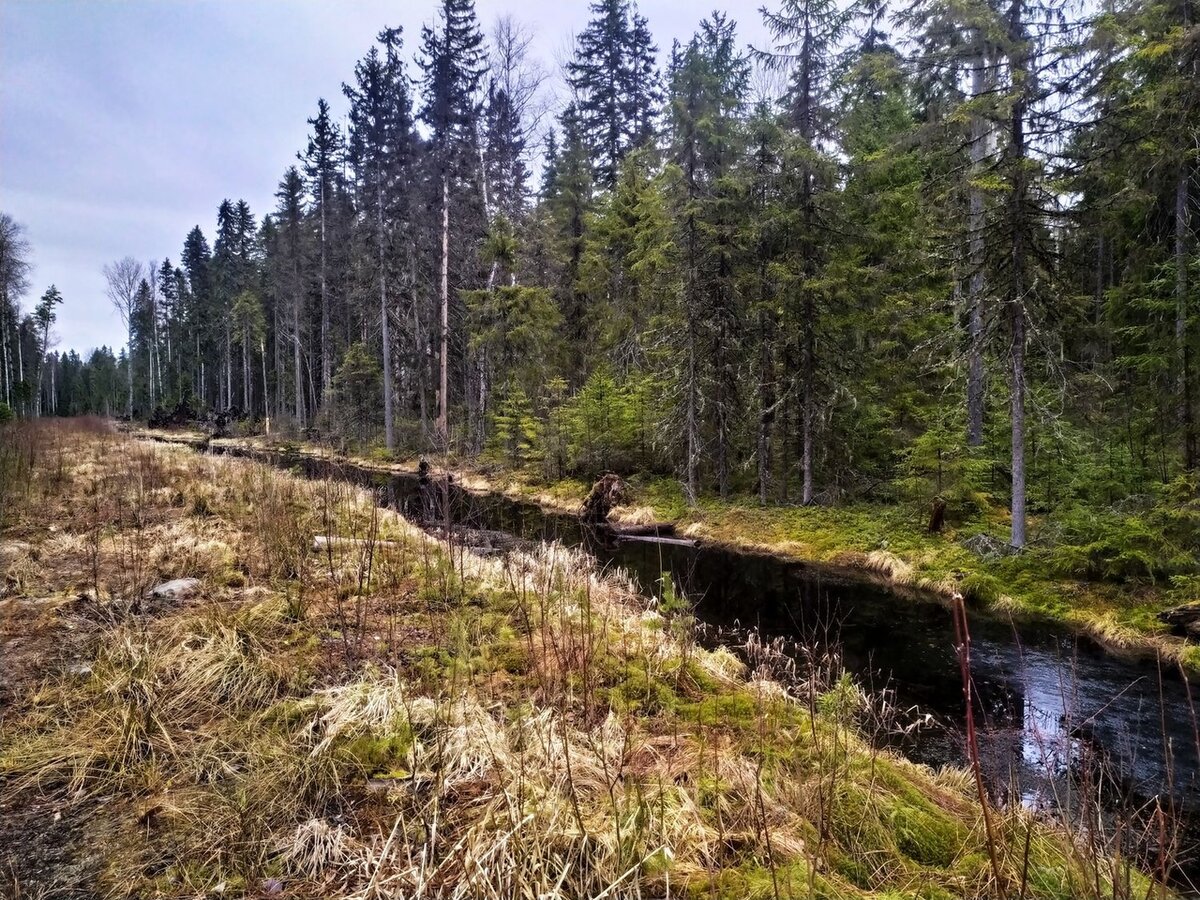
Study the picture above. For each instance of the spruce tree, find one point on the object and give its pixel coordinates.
(380, 151)
(614, 82)
(288, 266)
(806, 35)
(453, 62)
(708, 86)
(322, 168)
(200, 316)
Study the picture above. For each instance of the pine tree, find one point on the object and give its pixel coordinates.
(44, 315)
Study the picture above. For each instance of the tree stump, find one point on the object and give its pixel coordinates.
(606, 493)
(937, 515)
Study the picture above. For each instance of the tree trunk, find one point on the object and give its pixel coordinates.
(389, 427)
(975, 260)
(1016, 297)
(326, 370)
(200, 373)
(299, 375)
(4, 341)
(262, 352)
(693, 415)
(129, 369)
(41, 370)
(246, 373)
(766, 405)
(443, 422)
(808, 371)
(278, 353)
(1183, 351)
(420, 344)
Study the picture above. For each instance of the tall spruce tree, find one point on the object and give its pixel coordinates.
(452, 59)
(806, 35)
(708, 86)
(381, 155)
(288, 267)
(323, 171)
(615, 85)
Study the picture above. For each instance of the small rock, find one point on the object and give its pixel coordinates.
(987, 547)
(10, 550)
(176, 589)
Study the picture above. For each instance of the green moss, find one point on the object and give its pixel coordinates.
(925, 837)
(979, 587)
(755, 881)
(736, 710)
(630, 687)
(384, 755)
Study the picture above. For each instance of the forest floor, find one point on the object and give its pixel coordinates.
(381, 716)
(888, 543)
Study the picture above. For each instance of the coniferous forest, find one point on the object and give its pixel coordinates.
(938, 245)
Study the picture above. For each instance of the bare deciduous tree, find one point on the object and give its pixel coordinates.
(123, 277)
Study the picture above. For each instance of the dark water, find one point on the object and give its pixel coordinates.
(1058, 716)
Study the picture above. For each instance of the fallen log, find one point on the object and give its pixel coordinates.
(1184, 620)
(654, 539)
(653, 529)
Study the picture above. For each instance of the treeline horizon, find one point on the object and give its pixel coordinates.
(945, 250)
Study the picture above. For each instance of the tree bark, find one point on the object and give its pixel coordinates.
(389, 428)
(326, 370)
(443, 422)
(128, 367)
(4, 341)
(1016, 297)
(808, 373)
(296, 363)
(1183, 351)
(766, 402)
(262, 351)
(246, 372)
(975, 258)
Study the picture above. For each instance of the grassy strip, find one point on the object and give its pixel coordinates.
(390, 717)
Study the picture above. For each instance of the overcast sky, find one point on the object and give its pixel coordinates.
(123, 124)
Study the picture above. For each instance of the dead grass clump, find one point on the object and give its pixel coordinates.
(890, 566)
(634, 515)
